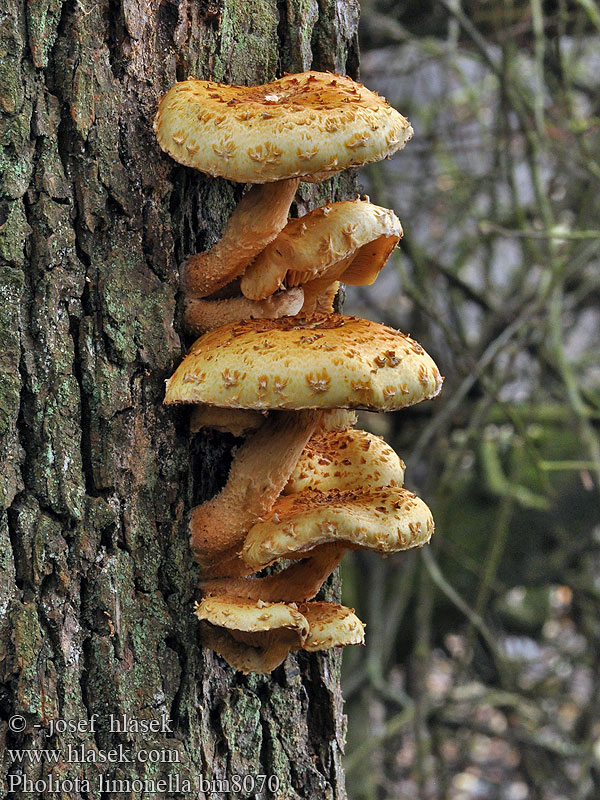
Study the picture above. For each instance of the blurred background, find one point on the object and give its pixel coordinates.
(480, 678)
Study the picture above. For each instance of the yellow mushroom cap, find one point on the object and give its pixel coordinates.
(314, 361)
(345, 460)
(238, 421)
(353, 230)
(311, 124)
(331, 625)
(252, 636)
(386, 520)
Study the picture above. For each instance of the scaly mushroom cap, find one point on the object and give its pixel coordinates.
(311, 124)
(299, 582)
(386, 520)
(345, 460)
(331, 625)
(252, 636)
(315, 361)
(353, 231)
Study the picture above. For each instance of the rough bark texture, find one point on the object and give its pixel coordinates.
(96, 577)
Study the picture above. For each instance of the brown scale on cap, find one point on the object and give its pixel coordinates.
(312, 361)
(350, 241)
(344, 460)
(331, 625)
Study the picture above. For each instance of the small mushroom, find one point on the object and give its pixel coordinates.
(342, 460)
(331, 625)
(257, 636)
(316, 528)
(251, 636)
(345, 460)
(349, 241)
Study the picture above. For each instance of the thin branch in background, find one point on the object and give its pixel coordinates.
(486, 227)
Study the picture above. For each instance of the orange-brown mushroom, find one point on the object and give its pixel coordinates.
(331, 625)
(256, 636)
(343, 460)
(386, 519)
(350, 241)
(200, 315)
(309, 126)
(316, 528)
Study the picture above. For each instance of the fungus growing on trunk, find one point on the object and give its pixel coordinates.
(307, 361)
(310, 363)
(387, 520)
(257, 636)
(200, 316)
(316, 528)
(331, 625)
(308, 126)
(343, 460)
(251, 636)
(349, 241)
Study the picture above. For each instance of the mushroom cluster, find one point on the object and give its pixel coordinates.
(275, 365)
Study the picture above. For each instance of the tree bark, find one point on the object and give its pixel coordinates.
(97, 581)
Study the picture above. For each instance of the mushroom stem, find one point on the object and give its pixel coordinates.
(260, 215)
(204, 315)
(294, 584)
(319, 296)
(260, 470)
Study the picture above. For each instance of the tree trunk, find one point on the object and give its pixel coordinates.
(96, 577)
